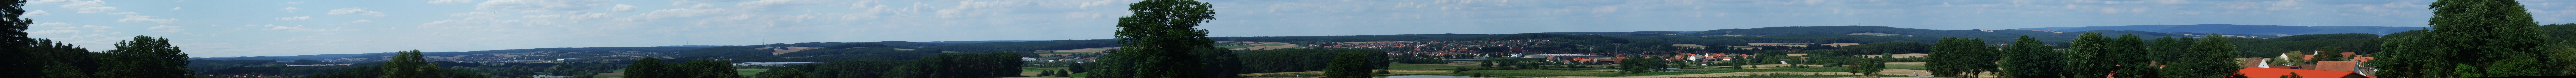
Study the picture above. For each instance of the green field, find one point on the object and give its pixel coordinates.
(1042, 69)
(1554, 73)
(1800, 76)
(1240, 46)
(749, 72)
(1900, 66)
(1539, 73)
(1814, 69)
(1400, 66)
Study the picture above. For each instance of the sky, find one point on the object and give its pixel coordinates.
(227, 28)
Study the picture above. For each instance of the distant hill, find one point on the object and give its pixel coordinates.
(691, 46)
(1791, 34)
(984, 41)
(2243, 29)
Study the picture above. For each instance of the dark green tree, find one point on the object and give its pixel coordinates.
(146, 57)
(2032, 59)
(1961, 57)
(648, 68)
(2329, 54)
(2207, 59)
(787, 73)
(2472, 38)
(22, 63)
(2087, 56)
(1160, 39)
(1348, 65)
(409, 64)
(1867, 65)
(2133, 58)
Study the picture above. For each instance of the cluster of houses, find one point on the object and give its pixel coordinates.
(1584, 58)
(2265, 67)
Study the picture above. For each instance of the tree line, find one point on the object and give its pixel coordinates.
(2476, 38)
(971, 65)
(2090, 55)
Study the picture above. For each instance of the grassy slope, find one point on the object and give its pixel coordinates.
(1538, 73)
(1553, 73)
(750, 72)
(1816, 69)
(1240, 46)
(1401, 66)
(1800, 76)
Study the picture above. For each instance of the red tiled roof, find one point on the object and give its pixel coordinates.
(2335, 65)
(2277, 72)
(2363, 59)
(2307, 57)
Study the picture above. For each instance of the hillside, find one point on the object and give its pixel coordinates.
(1719, 37)
(2243, 29)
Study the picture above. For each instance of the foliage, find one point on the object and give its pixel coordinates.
(1868, 65)
(2473, 38)
(1161, 40)
(2206, 59)
(1294, 60)
(786, 74)
(1883, 48)
(1961, 57)
(1348, 65)
(408, 64)
(2086, 57)
(968, 65)
(2030, 59)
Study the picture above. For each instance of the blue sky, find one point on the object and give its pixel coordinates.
(224, 28)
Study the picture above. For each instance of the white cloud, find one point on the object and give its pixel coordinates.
(162, 27)
(50, 32)
(678, 2)
(92, 6)
(621, 8)
(121, 13)
(683, 12)
(289, 9)
(298, 28)
(84, 26)
(361, 21)
(449, 1)
(539, 5)
(165, 28)
(140, 18)
(359, 11)
(52, 24)
(775, 5)
(296, 18)
(174, 8)
(37, 12)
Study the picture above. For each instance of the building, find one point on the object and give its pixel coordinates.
(569, 59)
(525, 60)
(771, 63)
(2253, 72)
(2335, 65)
(1570, 57)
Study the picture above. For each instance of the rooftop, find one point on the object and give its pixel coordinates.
(1561, 55)
(2277, 72)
